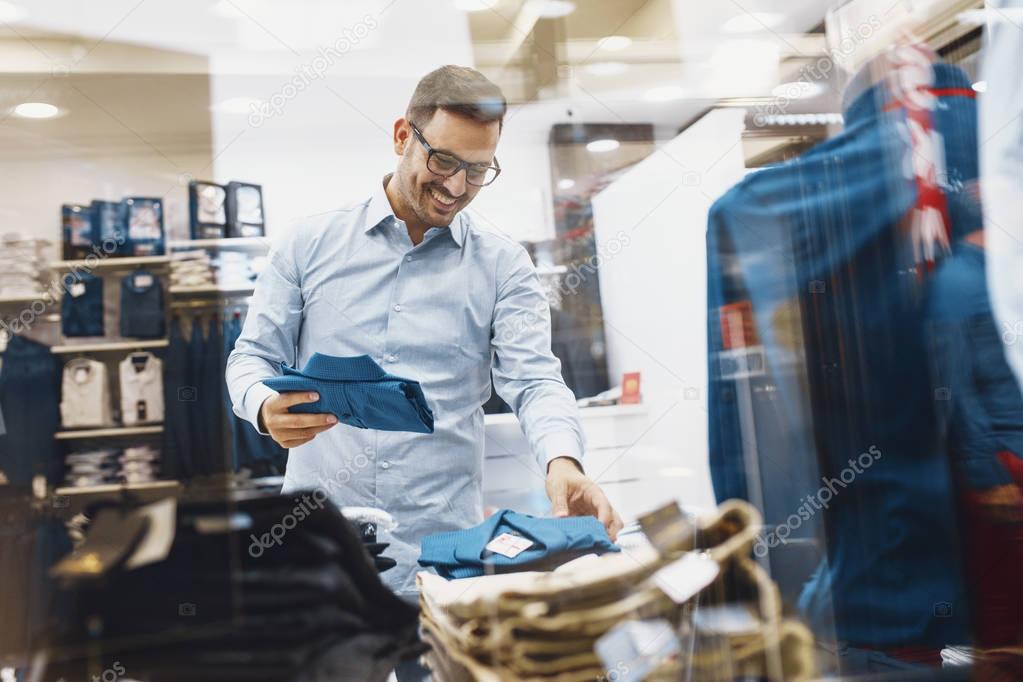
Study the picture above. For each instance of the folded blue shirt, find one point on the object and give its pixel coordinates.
(463, 553)
(359, 393)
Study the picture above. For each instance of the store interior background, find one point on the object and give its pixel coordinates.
(154, 94)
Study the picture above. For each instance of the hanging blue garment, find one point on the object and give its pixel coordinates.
(179, 399)
(250, 450)
(81, 306)
(29, 404)
(359, 393)
(463, 553)
(142, 314)
(984, 412)
(215, 456)
(823, 234)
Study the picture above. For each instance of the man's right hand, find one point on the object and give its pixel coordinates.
(291, 430)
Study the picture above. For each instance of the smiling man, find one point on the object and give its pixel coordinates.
(406, 278)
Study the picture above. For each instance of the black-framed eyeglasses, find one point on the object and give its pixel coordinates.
(447, 165)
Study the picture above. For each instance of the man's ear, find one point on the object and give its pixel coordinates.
(402, 133)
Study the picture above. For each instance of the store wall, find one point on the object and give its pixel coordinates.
(134, 122)
(653, 283)
(328, 138)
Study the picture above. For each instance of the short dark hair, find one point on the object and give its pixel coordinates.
(460, 90)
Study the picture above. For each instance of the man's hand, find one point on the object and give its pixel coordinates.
(291, 430)
(572, 493)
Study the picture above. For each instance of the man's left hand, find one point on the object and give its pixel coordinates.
(572, 493)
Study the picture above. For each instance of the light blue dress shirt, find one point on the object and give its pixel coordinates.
(445, 313)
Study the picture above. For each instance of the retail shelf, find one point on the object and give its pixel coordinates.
(211, 289)
(112, 432)
(116, 488)
(21, 299)
(110, 262)
(226, 243)
(109, 346)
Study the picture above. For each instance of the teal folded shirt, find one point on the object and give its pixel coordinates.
(358, 392)
(463, 553)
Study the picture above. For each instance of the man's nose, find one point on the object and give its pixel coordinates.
(455, 185)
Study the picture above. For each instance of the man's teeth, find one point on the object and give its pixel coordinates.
(441, 198)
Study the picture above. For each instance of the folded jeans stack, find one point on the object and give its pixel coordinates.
(191, 269)
(551, 625)
(93, 467)
(22, 266)
(139, 464)
(233, 271)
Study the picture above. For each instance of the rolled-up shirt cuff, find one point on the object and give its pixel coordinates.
(559, 444)
(253, 399)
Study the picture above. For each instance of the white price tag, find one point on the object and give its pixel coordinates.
(77, 289)
(509, 545)
(683, 578)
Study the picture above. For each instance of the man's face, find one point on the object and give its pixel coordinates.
(435, 199)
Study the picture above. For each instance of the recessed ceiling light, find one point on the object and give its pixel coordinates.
(605, 145)
(236, 105)
(614, 43)
(980, 86)
(606, 68)
(666, 93)
(752, 22)
(554, 9)
(36, 110)
(474, 5)
(566, 183)
(10, 13)
(797, 90)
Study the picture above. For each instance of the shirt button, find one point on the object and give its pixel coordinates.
(408, 259)
(385, 465)
(397, 307)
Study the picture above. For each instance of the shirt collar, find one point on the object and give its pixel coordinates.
(378, 210)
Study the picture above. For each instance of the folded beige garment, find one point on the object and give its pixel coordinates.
(543, 625)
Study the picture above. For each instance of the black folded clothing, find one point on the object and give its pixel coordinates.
(253, 587)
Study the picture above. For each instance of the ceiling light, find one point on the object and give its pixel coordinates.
(797, 90)
(566, 183)
(474, 5)
(605, 145)
(36, 110)
(980, 86)
(10, 13)
(606, 68)
(614, 43)
(555, 9)
(237, 105)
(666, 93)
(752, 22)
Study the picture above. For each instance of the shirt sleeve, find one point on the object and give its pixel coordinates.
(269, 335)
(527, 375)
